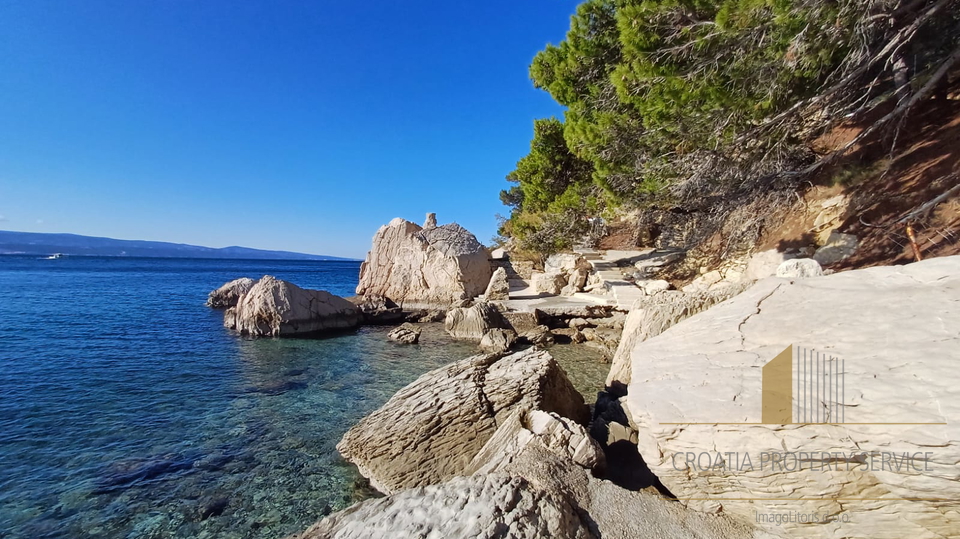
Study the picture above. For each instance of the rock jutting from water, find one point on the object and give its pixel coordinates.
(431, 430)
(425, 267)
(405, 333)
(525, 473)
(472, 322)
(276, 308)
(229, 294)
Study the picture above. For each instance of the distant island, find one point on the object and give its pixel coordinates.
(34, 243)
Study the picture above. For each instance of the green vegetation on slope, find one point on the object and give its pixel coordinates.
(670, 101)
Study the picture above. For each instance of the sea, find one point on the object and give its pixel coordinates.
(127, 410)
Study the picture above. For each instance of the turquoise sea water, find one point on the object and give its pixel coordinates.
(127, 410)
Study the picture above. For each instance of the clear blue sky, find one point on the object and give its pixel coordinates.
(296, 125)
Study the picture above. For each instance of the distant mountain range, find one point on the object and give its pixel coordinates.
(33, 243)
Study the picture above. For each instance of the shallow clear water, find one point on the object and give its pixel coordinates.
(127, 410)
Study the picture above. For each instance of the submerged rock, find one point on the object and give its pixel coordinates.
(430, 267)
(431, 430)
(228, 294)
(275, 308)
(406, 333)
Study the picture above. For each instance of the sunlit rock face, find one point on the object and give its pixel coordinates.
(697, 389)
(420, 267)
(276, 308)
(431, 430)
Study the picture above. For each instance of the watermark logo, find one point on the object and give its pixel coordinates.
(802, 385)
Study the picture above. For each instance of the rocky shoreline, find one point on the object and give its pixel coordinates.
(502, 444)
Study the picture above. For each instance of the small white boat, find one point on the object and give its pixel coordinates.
(55, 256)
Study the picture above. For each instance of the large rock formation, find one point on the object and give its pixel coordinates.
(228, 294)
(422, 268)
(531, 480)
(431, 430)
(699, 389)
(275, 308)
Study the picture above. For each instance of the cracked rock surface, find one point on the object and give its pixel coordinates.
(897, 330)
(228, 294)
(422, 268)
(430, 430)
(276, 308)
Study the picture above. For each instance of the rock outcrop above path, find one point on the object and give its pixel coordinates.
(431, 430)
(897, 330)
(423, 268)
(227, 295)
(276, 308)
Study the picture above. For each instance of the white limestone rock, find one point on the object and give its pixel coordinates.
(800, 268)
(229, 294)
(406, 333)
(275, 308)
(472, 323)
(481, 507)
(654, 286)
(430, 430)
(521, 321)
(559, 435)
(549, 283)
(540, 335)
(898, 331)
(764, 264)
(497, 341)
(499, 288)
(654, 315)
(425, 268)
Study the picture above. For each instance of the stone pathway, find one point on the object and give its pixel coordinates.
(622, 293)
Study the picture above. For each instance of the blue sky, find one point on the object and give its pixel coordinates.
(296, 125)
